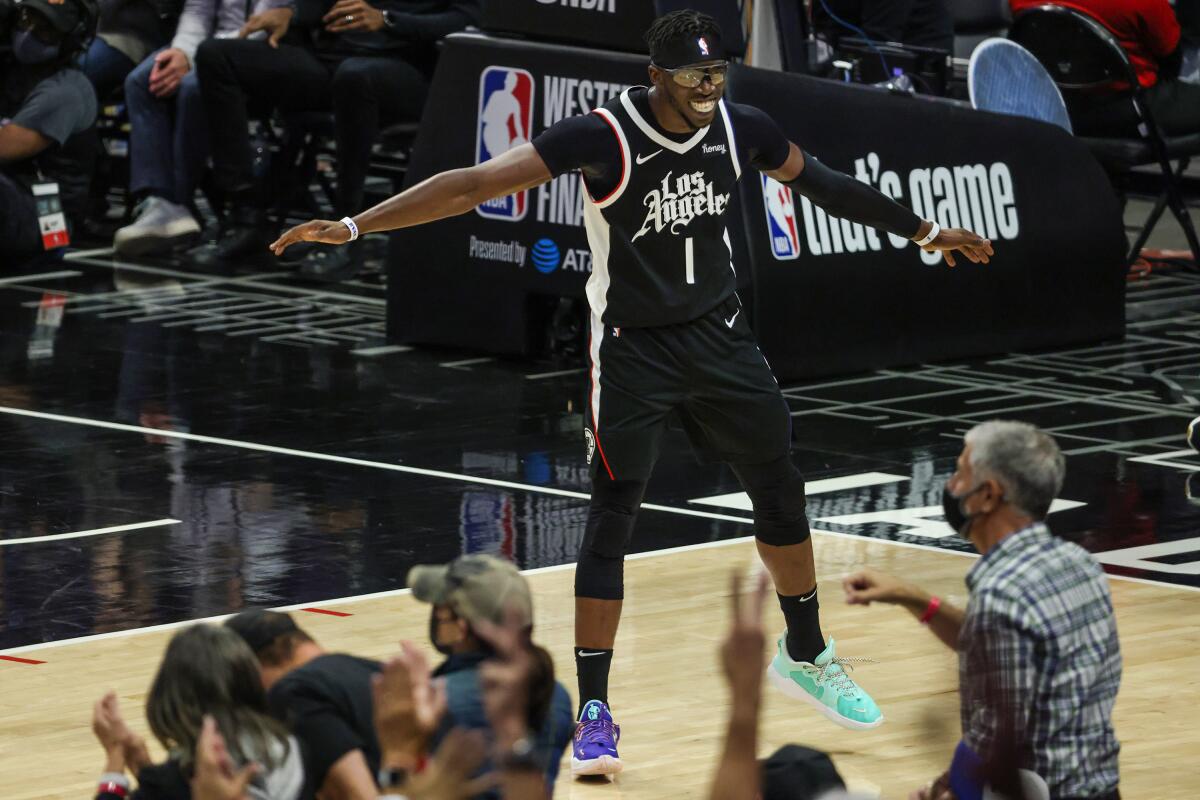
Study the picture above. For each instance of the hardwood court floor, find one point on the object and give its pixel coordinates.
(667, 687)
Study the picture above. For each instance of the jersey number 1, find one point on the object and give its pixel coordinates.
(689, 260)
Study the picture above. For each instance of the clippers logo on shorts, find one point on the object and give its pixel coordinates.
(782, 227)
(505, 122)
(590, 438)
(679, 200)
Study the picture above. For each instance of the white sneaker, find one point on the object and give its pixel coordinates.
(158, 227)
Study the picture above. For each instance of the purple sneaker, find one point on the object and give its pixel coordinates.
(594, 751)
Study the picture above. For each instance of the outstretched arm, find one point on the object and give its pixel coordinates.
(446, 194)
(843, 196)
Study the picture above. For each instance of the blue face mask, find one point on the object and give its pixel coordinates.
(28, 49)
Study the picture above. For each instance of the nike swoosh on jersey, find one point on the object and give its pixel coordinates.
(641, 159)
(729, 322)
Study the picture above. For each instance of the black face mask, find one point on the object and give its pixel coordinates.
(952, 508)
(433, 638)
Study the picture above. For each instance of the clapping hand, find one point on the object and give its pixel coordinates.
(214, 776)
(409, 704)
(507, 679)
(123, 748)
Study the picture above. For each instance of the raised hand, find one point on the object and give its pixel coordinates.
(507, 679)
(742, 651)
(319, 230)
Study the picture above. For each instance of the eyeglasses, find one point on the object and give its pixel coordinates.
(691, 77)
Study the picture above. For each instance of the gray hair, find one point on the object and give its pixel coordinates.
(1025, 461)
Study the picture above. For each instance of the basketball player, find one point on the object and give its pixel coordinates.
(659, 165)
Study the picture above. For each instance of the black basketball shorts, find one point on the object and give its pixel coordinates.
(709, 371)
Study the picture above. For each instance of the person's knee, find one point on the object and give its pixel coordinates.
(137, 82)
(600, 572)
(776, 490)
(212, 59)
(352, 81)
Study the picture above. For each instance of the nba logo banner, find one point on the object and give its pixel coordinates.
(505, 121)
(782, 227)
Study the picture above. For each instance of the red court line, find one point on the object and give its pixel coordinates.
(21, 660)
(325, 611)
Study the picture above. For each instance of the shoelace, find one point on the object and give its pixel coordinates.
(597, 731)
(840, 679)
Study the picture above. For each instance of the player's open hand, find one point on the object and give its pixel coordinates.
(326, 231)
(972, 245)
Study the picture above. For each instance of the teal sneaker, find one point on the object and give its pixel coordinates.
(825, 685)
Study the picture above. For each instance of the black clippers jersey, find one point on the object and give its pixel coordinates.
(660, 248)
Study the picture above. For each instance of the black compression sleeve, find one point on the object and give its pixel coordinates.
(843, 196)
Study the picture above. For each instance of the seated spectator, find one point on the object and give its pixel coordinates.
(1150, 34)
(46, 109)
(168, 140)
(467, 595)
(369, 64)
(1039, 661)
(206, 671)
(128, 30)
(921, 23)
(324, 698)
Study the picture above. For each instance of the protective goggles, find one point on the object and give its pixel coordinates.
(691, 77)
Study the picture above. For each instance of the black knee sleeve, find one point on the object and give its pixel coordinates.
(600, 573)
(776, 489)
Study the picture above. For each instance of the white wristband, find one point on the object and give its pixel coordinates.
(929, 237)
(349, 223)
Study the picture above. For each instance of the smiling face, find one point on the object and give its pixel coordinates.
(696, 106)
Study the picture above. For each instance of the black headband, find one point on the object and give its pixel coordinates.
(685, 51)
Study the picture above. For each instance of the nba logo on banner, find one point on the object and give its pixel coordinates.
(505, 122)
(782, 227)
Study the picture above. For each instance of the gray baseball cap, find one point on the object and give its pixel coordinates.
(476, 587)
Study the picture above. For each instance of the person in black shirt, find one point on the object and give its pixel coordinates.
(207, 671)
(47, 109)
(325, 699)
(369, 63)
(668, 336)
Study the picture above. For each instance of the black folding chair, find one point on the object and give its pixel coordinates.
(1083, 57)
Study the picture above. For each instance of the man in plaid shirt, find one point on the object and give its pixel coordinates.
(1039, 661)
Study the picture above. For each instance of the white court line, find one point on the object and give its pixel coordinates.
(741, 500)
(537, 376)
(382, 350)
(466, 362)
(43, 276)
(1164, 460)
(535, 571)
(55, 537)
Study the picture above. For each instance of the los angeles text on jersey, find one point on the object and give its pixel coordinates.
(679, 200)
(979, 197)
(560, 202)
